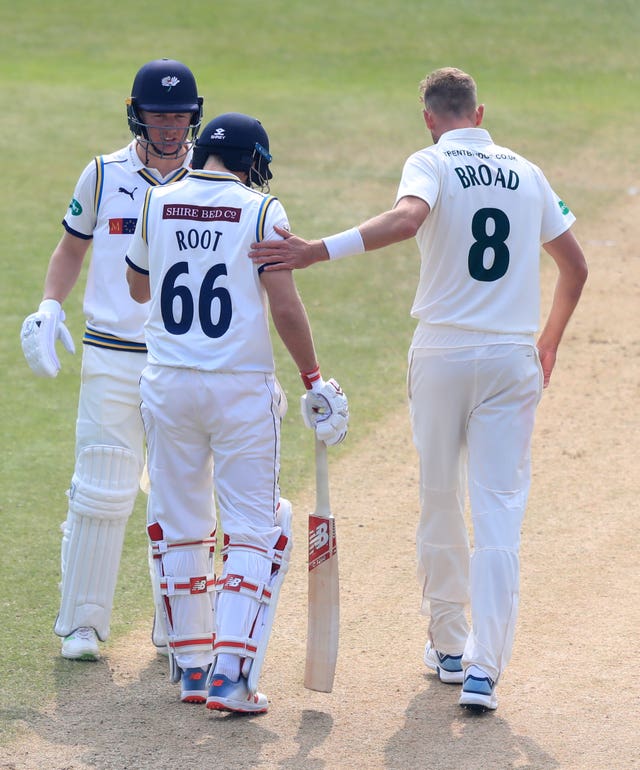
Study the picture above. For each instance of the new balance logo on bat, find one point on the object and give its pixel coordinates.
(322, 540)
(319, 537)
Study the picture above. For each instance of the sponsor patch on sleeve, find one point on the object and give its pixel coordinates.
(122, 226)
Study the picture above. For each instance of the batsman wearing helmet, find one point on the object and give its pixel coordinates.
(479, 213)
(212, 409)
(164, 113)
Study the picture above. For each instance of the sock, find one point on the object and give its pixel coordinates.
(229, 666)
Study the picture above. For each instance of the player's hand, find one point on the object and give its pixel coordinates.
(287, 254)
(547, 362)
(327, 412)
(39, 334)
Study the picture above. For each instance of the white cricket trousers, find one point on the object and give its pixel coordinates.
(472, 414)
(109, 401)
(206, 430)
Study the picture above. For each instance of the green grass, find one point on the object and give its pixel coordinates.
(336, 86)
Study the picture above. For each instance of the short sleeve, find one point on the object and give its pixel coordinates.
(81, 217)
(138, 252)
(420, 178)
(557, 217)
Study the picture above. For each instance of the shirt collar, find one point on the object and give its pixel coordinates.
(215, 176)
(138, 165)
(466, 135)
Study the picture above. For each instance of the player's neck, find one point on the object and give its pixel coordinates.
(164, 165)
(213, 164)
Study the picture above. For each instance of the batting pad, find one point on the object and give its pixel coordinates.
(159, 630)
(259, 598)
(103, 491)
(267, 613)
(182, 573)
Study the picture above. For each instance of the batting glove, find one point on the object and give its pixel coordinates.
(39, 334)
(326, 410)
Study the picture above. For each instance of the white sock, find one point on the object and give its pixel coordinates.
(229, 666)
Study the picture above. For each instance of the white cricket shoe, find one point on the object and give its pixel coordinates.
(81, 644)
(225, 695)
(478, 691)
(448, 667)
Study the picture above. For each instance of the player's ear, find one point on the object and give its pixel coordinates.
(428, 119)
(479, 114)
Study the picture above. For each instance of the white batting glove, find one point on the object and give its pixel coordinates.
(325, 409)
(39, 334)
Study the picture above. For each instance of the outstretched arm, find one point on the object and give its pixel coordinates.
(397, 224)
(572, 266)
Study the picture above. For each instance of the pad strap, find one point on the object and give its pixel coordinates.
(191, 644)
(158, 547)
(175, 586)
(239, 584)
(235, 645)
(273, 555)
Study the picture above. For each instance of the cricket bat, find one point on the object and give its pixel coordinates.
(323, 615)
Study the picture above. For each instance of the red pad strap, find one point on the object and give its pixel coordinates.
(191, 644)
(235, 645)
(200, 584)
(160, 546)
(240, 585)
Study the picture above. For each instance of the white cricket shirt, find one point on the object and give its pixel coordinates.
(491, 209)
(208, 309)
(105, 207)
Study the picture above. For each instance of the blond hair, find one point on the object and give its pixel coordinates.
(449, 91)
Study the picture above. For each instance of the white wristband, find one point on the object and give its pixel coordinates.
(344, 244)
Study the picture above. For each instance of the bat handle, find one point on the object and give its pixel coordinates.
(322, 479)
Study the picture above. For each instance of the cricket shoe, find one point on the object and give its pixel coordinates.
(225, 695)
(448, 667)
(478, 691)
(81, 644)
(193, 685)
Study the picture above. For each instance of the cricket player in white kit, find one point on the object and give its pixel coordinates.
(479, 213)
(212, 409)
(164, 114)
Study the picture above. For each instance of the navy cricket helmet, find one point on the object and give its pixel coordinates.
(163, 85)
(242, 144)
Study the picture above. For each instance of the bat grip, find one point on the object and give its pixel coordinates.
(323, 507)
